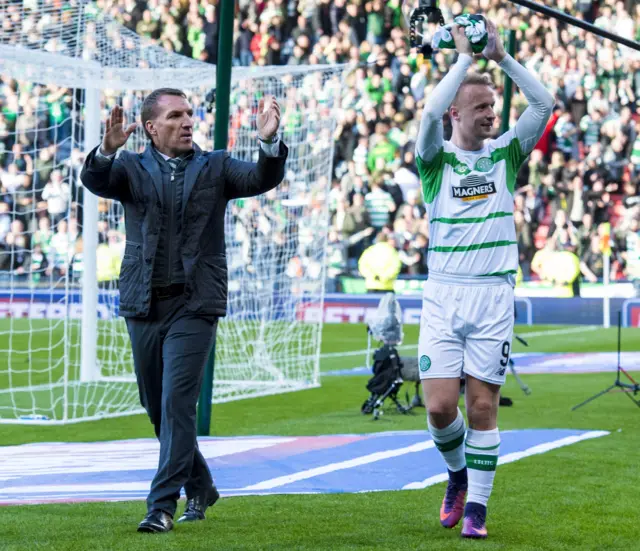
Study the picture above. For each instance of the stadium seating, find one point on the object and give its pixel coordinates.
(375, 140)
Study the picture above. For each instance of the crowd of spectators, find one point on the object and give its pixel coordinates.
(582, 178)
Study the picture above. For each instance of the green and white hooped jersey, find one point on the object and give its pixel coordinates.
(469, 197)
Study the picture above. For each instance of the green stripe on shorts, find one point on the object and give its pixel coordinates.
(506, 272)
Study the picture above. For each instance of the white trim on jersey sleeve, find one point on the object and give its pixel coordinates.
(532, 122)
(431, 134)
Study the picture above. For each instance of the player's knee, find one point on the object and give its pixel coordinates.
(441, 413)
(481, 412)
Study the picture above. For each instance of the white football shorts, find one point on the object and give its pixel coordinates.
(466, 328)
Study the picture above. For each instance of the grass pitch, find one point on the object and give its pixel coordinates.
(577, 497)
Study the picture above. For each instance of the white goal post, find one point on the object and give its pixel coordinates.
(64, 353)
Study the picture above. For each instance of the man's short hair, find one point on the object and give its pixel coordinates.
(473, 78)
(151, 102)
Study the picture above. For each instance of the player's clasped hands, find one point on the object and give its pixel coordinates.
(463, 45)
(494, 49)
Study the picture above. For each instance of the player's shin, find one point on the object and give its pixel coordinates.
(450, 443)
(482, 450)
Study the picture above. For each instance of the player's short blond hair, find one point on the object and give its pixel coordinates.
(473, 78)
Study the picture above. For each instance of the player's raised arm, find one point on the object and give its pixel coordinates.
(430, 136)
(533, 121)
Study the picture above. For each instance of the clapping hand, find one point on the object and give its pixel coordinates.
(116, 134)
(268, 120)
(494, 49)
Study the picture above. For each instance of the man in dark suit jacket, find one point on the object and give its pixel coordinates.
(173, 280)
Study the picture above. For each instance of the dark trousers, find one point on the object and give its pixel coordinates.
(170, 349)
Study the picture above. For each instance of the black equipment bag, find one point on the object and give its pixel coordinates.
(386, 369)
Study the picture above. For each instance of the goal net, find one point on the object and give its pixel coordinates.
(64, 352)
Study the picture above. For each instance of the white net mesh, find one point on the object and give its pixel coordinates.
(78, 44)
(39, 220)
(275, 243)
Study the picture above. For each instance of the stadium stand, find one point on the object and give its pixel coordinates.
(584, 173)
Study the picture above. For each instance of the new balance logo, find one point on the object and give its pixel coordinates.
(501, 372)
(473, 188)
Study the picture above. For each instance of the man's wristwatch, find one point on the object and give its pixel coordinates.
(273, 139)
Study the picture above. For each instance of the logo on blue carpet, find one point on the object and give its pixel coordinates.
(537, 362)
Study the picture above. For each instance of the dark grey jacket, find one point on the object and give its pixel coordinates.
(211, 180)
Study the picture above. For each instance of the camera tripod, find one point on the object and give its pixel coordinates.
(523, 386)
(627, 388)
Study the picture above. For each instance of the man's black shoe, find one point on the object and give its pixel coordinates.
(197, 505)
(156, 521)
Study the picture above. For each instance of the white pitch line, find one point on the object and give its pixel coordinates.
(566, 331)
(533, 334)
(342, 465)
(361, 352)
(515, 456)
(73, 489)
